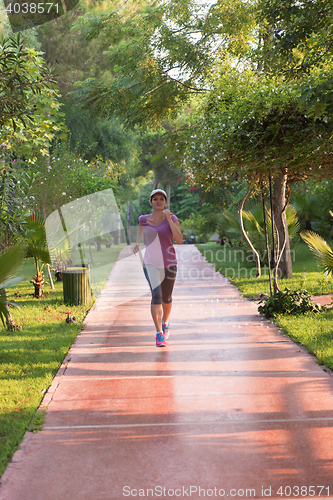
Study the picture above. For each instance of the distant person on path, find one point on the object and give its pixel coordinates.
(161, 227)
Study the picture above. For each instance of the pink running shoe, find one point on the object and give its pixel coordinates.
(165, 328)
(160, 340)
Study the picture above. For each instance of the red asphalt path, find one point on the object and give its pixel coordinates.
(230, 408)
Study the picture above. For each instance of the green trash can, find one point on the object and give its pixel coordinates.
(76, 285)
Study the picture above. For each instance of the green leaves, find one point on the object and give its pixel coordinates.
(92, 137)
(10, 263)
(296, 35)
(163, 54)
(36, 243)
(29, 110)
(291, 303)
(249, 124)
(16, 198)
(322, 251)
(228, 224)
(22, 76)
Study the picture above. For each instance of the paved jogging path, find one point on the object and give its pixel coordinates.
(230, 407)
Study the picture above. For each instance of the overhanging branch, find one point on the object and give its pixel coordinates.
(184, 84)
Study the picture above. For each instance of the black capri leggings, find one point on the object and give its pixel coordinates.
(161, 282)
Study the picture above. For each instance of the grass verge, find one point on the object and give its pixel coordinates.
(30, 358)
(237, 265)
(315, 332)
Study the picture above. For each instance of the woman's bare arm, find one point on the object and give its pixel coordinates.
(175, 227)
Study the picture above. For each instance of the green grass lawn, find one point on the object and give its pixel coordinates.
(30, 358)
(315, 331)
(237, 265)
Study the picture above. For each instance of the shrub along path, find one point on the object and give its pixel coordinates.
(229, 406)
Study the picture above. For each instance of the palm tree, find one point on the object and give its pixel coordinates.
(307, 207)
(255, 227)
(37, 248)
(321, 249)
(228, 224)
(10, 263)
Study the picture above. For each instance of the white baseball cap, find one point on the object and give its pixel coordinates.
(158, 191)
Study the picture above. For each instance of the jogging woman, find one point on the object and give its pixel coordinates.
(161, 227)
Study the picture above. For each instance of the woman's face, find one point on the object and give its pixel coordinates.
(158, 201)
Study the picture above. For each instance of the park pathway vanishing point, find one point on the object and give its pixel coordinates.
(230, 407)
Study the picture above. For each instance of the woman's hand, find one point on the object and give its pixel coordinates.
(136, 249)
(140, 232)
(167, 214)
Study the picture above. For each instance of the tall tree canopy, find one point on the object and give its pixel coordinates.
(162, 54)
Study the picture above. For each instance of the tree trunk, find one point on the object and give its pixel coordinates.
(279, 205)
(168, 191)
(38, 283)
(247, 239)
(89, 246)
(266, 235)
(50, 276)
(128, 231)
(10, 320)
(118, 230)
